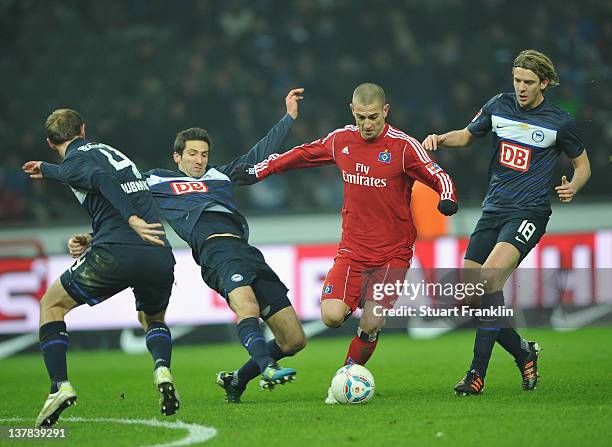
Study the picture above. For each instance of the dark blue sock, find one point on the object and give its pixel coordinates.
(250, 369)
(54, 344)
(251, 338)
(512, 342)
(483, 347)
(486, 333)
(159, 344)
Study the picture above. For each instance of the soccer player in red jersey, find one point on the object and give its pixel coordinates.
(379, 164)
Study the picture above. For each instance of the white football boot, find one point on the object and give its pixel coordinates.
(55, 404)
(169, 399)
(330, 399)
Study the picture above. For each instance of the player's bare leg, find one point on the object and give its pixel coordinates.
(334, 312)
(159, 344)
(364, 343)
(287, 330)
(54, 306)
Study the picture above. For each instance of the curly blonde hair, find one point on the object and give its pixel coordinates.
(539, 63)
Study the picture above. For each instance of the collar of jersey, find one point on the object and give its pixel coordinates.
(76, 143)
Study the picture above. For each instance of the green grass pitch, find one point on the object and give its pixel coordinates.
(414, 404)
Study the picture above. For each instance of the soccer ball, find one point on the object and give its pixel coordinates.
(353, 384)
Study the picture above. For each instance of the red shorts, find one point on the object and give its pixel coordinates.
(354, 282)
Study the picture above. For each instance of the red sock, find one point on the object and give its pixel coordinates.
(360, 351)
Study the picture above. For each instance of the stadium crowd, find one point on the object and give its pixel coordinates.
(140, 70)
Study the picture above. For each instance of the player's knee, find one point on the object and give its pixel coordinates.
(371, 323)
(298, 343)
(51, 305)
(492, 279)
(332, 319)
(294, 345)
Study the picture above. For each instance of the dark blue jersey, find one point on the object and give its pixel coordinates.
(182, 199)
(109, 187)
(527, 144)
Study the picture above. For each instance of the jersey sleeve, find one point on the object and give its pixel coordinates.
(419, 166)
(568, 139)
(310, 155)
(51, 171)
(265, 147)
(82, 172)
(481, 123)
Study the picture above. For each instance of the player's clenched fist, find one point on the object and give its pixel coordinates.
(448, 207)
(244, 174)
(78, 244)
(432, 141)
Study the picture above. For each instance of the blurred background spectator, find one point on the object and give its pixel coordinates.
(141, 70)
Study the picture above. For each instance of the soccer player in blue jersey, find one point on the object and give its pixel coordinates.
(529, 134)
(128, 249)
(197, 201)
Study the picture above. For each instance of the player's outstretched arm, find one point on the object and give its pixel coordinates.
(78, 244)
(582, 173)
(271, 143)
(455, 138)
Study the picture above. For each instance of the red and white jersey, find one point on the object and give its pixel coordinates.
(378, 177)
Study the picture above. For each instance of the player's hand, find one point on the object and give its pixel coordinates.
(78, 244)
(431, 142)
(448, 207)
(291, 101)
(148, 232)
(32, 168)
(244, 174)
(565, 191)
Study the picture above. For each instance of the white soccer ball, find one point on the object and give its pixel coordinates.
(353, 384)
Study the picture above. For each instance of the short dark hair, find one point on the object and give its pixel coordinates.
(369, 93)
(63, 125)
(191, 134)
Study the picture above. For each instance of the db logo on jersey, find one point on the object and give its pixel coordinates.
(514, 156)
(188, 187)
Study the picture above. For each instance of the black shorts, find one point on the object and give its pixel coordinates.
(229, 262)
(523, 229)
(107, 269)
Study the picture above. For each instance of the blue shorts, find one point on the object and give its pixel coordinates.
(228, 263)
(523, 229)
(107, 269)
